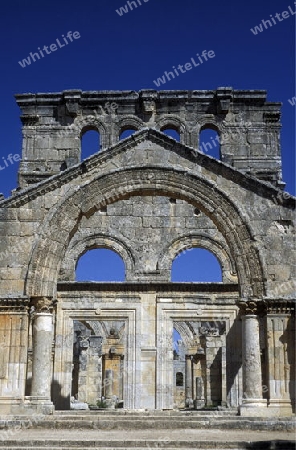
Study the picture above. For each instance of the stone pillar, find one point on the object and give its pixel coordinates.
(42, 352)
(188, 380)
(252, 403)
(280, 325)
(199, 401)
(83, 366)
(94, 369)
(108, 391)
(213, 343)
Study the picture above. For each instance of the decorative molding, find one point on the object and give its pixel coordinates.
(146, 287)
(280, 307)
(14, 304)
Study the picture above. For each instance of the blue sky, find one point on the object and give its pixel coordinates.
(130, 51)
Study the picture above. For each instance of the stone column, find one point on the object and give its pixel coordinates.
(83, 366)
(280, 325)
(188, 380)
(94, 369)
(108, 391)
(42, 352)
(252, 403)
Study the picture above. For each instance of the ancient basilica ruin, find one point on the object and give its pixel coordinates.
(148, 197)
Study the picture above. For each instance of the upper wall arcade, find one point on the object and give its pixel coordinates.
(247, 125)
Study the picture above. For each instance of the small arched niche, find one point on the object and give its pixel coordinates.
(209, 141)
(90, 142)
(179, 379)
(100, 264)
(196, 265)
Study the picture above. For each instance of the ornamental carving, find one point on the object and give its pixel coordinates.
(42, 304)
(209, 331)
(280, 307)
(14, 304)
(251, 307)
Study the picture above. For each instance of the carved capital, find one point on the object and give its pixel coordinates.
(43, 304)
(251, 307)
(209, 331)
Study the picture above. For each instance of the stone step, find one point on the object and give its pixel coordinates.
(155, 418)
(151, 423)
(160, 413)
(228, 412)
(147, 445)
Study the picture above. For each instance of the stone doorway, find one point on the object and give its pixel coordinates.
(198, 364)
(98, 363)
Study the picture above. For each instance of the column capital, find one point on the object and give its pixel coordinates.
(43, 304)
(251, 307)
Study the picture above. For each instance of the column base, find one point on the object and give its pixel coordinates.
(199, 404)
(280, 408)
(26, 406)
(8, 405)
(39, 405)
(254, 407)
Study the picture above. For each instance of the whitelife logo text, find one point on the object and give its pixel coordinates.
(47, 49)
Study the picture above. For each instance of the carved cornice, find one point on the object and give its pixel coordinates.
(159, 287)
(14, 304)
(266, 306)
(280, 307)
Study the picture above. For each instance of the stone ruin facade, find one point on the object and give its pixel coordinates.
(148, 198)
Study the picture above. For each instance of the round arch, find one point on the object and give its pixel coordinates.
(126, 123)
(199, 241)
(210, 122)
(61, 223)
(175, 123)
(185, 332)
(83, 243)
(91, 123)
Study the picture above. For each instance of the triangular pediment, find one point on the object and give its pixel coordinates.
(147, 147)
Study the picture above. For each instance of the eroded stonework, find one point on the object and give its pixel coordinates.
(148, 198)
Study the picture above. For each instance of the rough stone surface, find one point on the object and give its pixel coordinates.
(149, 198)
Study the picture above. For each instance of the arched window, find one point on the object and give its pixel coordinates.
(90, 143)
(179, 379)
(126, 133)
(100, 265)
(196, 265)
(172, 133)
(209, 142)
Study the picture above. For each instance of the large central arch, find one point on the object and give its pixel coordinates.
(61, 224)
